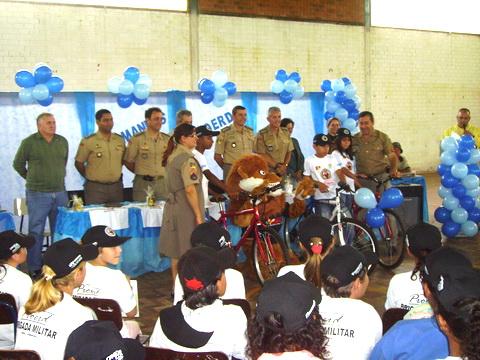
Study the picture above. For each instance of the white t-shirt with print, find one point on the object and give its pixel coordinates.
(47, 331)
(344, 162)
(227, 322)
(235, 286)
(323, 170)
(403, 292)
(352, 326)
(17, 284)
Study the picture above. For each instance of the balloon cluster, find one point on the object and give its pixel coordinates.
(391, 198)
(459, 171)
(216, 90)
(287, 86)
(341, 101)
(39, 86)
(132, 88)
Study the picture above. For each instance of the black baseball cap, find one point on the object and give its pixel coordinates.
(291, 297)
(204, 131)
(101, 340)
(346, 263)
(11, 242)
(103, 236)
(315, 226)
(65, 255)
(344, 132)
(423, 237)
(200, 267)
(320, 140)
(214, 236)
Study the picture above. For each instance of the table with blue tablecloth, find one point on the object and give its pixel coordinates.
(6, 221)
(418, 180)
(141, 223)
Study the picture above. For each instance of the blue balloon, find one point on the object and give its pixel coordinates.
(230, 87)
(474, 157)
(281, 75)
(206, 86)
(277, 86)
(459, 215)
(462, 154)
(350, 91)
(442, 169)
(25, 95)
(470, 182)
(218, 102)
(332, 106)
(474, 193)
(448, 158)
(375, 218)
(340, 96)
(132, 73)
(341, 114)
(365, 198)
(124, 101)
(126, 88)
(467, 202)
(139, 101)
(295, 76)
(326, 85)
(444, 192)
(329, 115)
(459, 170)
(353, 114)
(220, 95)
(346, 81)
(141, 92)
(299, 92)
(449, 144)
(467, 142)
(450, 229)
(285, 97)
(40, 92)
(469, 228)
(448, 181)
(442, 215)
(329, 96)
(474, 215)
(350, 124)
(291, 86)
(47, 101)
(55, 84)
(42, 74)
(459, 191)
(450, 202)
(24, 78)
(338, 85)
(206, 98)
(391, 198)
(349, 105)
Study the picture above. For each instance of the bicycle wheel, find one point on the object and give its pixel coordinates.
(391, 241)
(291, 238)
(356, 234)
(269, 254)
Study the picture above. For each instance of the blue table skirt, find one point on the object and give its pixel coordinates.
(139, 254)
(416, 180)
(6, 221)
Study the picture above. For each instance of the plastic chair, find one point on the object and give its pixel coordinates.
(105, 309)
(391, 316)
(19, 355)
(152, 353)
(20, 209)
(8, 309)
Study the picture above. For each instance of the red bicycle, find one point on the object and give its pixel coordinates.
(269, 252)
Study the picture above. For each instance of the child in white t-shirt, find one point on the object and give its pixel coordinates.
(352, 326)
(13, 252)
(320, 167)
(102, 282)
(405, 290)
(51, 314)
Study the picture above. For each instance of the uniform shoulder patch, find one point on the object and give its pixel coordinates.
(263, 131)
(248, 128)
(284, 129)
(226, 128)
(115, 134)
(139, 134)
(90, 136)
(164, 135)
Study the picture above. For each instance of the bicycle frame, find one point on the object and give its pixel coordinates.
(337, 214)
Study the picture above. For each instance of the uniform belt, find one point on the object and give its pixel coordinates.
(103, 183)
(151, 178)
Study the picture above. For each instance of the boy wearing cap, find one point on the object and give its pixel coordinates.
(403, 166)
(320, 167)
(407, 339)
(51, 314)
(106, 283)
(405, 290)
(216, 237)
(13, 252)
(201, 322)
(351, 325)
(287, 324)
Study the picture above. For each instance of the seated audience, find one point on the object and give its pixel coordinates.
(102, 282)
(201, 322)
(98, 340)
(13, 252)
(405, 290)
(458, 312)
(407, 339)
(51, 314)
(287, 324)
(315, 234)
(216, 237)
(351, 325)
(402, 162)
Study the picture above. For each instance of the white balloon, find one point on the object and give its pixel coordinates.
(219, 78)
(114, 84)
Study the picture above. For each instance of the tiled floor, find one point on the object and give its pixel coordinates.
(154, 288)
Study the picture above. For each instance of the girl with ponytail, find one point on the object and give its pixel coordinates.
(51, 314)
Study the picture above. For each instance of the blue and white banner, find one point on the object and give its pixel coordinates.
(75, 117)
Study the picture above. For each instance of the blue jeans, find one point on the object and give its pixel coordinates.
(323, 209)
(40, 206)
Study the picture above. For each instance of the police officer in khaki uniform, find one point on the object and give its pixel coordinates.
(185, 205)
(273, 143)
(144, 157)
(234, 141)
(99, 160)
